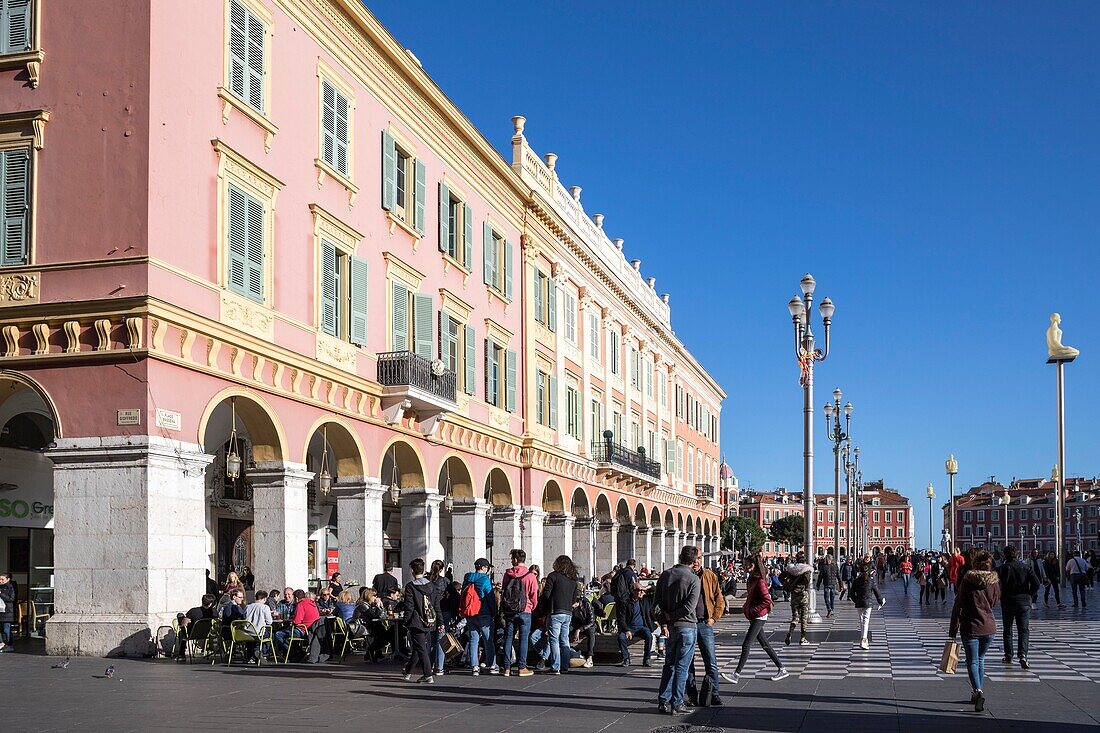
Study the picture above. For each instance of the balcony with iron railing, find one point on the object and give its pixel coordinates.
(414, 382)
(704, 492)
(607, 454)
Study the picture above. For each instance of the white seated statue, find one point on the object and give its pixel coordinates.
(1055, 348)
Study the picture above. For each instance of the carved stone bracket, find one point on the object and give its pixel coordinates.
(103, 334)
(21, 288)
(41, 338)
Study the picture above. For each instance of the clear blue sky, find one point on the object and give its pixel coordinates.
(937, 168)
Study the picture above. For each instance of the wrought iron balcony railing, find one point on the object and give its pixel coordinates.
(704, 491)
(409, 369)
(604, 451)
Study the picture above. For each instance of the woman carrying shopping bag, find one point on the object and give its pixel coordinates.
(978, 594)
(864, 588)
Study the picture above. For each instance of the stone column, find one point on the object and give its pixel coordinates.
(584, 546)
(280, 519)
(359, 522)
(558, 540)
(532, 533)
(658, 551)
(420, 527)
(468, 525)
(626, 542)
(506, 535)
(648, 555)
(129, 541)
(606, 535)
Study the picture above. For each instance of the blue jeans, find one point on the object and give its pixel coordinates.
(643, 633)
(521, 622)
(438, 657)
(5, 632)
(282, 637)
(976, 647)
(557, 627)
(830, 598)
(679, 653)
(481, 629)
(905, 582)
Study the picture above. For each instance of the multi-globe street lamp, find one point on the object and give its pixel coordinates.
(807, 354)
(931, 495)
(840, 435)
(855, 490)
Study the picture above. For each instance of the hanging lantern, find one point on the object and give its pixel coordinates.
(448, 497)
(324, 478)
(233, 459)
(395, 489)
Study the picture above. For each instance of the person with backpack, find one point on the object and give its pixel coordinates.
(478, 606)
(447, 604)
(421, 607)
(796, 581)
(1077, 571)
(519, 595)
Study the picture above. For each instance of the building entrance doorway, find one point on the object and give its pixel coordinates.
(234, 547)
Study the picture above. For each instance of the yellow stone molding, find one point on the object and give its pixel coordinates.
(29, 60)
(397, 269)
(337, 353)
(20, 288)
(231, 162)
(458, 309)
(19, 126)
(247, 315)
(230, 101)
(328, 225)
(498, 333)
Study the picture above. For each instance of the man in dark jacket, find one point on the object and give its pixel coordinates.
(1054, 579)
(635, 619)
(421, 609)
(827, 579)
(796, 580)
(1018, 584)
(678, 596)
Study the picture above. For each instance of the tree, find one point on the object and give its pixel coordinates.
(746, 529)
(788, 530)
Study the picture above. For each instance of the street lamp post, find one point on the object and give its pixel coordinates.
(931, 495)
(1035, 537)
(952, 467)
(839, 435)
(807, 355)
(1077, 517)
(1023, 539)
(1006, 499)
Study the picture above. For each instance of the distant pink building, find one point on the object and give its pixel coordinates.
(268, 299)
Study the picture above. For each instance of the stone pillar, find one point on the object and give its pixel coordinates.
(506, 535)
(420, 527)
(626, 542)
(532, 533)
(359, 523)
(129, 541)
(584, 546)
(558, 540)
(280, 519)
(659, 550)
(468, 525)
(648, 555)
(604, 557)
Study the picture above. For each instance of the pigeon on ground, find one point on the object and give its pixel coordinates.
(62, 665)
(110, 672)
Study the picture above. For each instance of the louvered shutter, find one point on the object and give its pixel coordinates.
(507, 269)
(487, 253)
(389, 172)
(421, 196)
(553, 403)
(17, 26)
(510, 378)
(238, 50)
(471, 361)
(442, 325)
(330, 290)
(357, 326)
(444, 218)
(490, 393)
(399, 327)
(255, 248)
(552, 309)
(467, 237)
(328, 123)
(256, 32)
(16, 171)
(342, 133)
(422, 325)
(537, 277)
(238, 240)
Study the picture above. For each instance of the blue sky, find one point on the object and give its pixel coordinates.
(936, 166)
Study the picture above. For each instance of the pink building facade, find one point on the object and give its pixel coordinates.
(269, 299)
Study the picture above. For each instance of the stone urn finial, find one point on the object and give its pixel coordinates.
(664, 298)
(518, 122)
(651, 282)
(575, 192)
(618, 243)
(637, 265)
(551, 160)
(598, 218)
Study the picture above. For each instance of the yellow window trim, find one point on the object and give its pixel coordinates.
(230, 101)
(454, 306)
(327, 73)
(498, 333)
(346, 240)
(30, 60)
(402, 272)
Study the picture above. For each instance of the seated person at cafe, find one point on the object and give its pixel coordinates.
(186, 620)
(385, 581)
(326, 603)
(305, 615)
(345, 605)
(258, 614)
(232, 611)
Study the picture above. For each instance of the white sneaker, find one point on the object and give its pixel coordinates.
(804, 642)
(781, 675)
(733, 678)
(588, 663)
(476, 672)
(863, 644)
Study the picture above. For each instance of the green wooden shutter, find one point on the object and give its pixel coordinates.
(510, 379)
(357, 326)
(238, 49)
(255, 248)
(330, 290)
(471, 361)
(389, 172)
(552, 304)
(255, 70)
(537, 282)
(490, 393)
(17, 26)
(468, 237)
(328, 123)
(421, 195)
(487, 252)
(507, 269)
(16, 172)
(342, 133)
(238, 240)
(444, 218)
(399, 327)
(553, 403)
(423, 336)
(670, 457)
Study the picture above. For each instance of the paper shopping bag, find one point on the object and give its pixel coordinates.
(451, 646)
(949, 660)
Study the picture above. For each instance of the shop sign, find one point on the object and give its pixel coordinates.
(26, 489)
(333, 562)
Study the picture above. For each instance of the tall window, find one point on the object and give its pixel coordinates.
(343, 290)
(247, 49)
(546, 391)
(456, 228)
(403, 183)
(15, 199)
(247, 220)
(335, 114)
(457, 350)
(613, 347)
(500, 376)
(411, 321)
(497, 260)
(546, 300)
(573, 410)
(648, 366)
(594, 336)
(570, 317)
(595, 414)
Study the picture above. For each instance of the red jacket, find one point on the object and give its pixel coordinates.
(758, 602)
(953, 564)
(306, 613)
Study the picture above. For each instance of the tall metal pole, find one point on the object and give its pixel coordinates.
(808, 479)
(930, 545)
(1059, 484)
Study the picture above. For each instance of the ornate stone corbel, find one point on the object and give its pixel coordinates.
(430, 426)
(11, 340)
(103, 335)
(41, 338)
(133, 332)
(394, 414)
(72, 337)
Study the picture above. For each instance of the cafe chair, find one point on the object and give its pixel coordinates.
(605, 621)
(204, 637)
(241, 632)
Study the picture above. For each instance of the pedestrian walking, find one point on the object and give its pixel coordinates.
(517, 604)
(711, 608)
(421, 607)
(1054, 580)
(1018, 584)
(827, 581)
(758, 605)
(864, 589)
(1077, 571)
(1035, 562)
(845, 576)
(972, 616)
(906, 569)
(796, 580)
(678, 592)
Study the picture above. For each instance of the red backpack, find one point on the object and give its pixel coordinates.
(469, 604)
